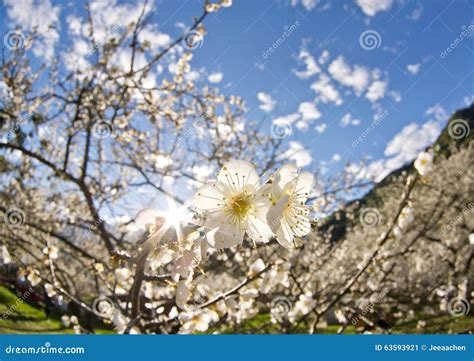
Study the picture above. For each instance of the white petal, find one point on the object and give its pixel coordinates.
(146, 217)
(303, 186)
(299, 222)
(225, 236)
(182, 294)
(238, 175)
(285, 235)
(209, 197)
(282, 177)
(275, 214)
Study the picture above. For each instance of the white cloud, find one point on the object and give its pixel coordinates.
(356, 77)
(309, 111)
(413, 68)
(324, 57)
(297, 153)
(39, 15)
(395, 95)
(376, 90)
(403, 148)
(307, 4)
(156, 39)
(348, 119)
(312, 67)
(266, 102)
(336, 157)
(326, 92)
(287, 119)
(468, 100)
(215, 77)
(372, 7)
(191, 76)
(321, 128)
(416, 13)
(437, 111)
(412, 138)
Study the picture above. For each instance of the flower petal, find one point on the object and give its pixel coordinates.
(257, 227)
(285, 235)
(182, 294)
(303, 186)
(239, 175)
(209, 198)
(225, 236)
(282, 177)
(275, 213)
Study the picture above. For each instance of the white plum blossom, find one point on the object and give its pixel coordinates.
(124, 280)
(303, 306)
(66, 320)
(51, 251)
(288, 216)
(6, 258)
(50, 291)
(233, 205)
(197, 320)
(34, 278)
(406, 217)
(424, 163)
(277, 275)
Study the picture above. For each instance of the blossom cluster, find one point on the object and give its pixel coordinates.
(239, 203)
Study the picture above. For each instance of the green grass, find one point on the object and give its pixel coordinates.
(444, 324)
(438, 324)
(25, 318)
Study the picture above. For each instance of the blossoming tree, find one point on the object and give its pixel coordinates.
(120, 123)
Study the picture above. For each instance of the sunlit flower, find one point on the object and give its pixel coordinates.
(34, 278)
(121, 323)
(99, 267)
(288, 216)
(226, 3)
(397, 232)
(51, 251)
(233, 205)
(6, 258)
(277, 275)
(197, 320)
(182, 294)
(406, 217)
(66, 320)
(424, 163)
(49, 288)
(303, 306)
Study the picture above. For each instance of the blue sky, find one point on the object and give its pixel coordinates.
(412, 36)
(324, 79)
(411, 32)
